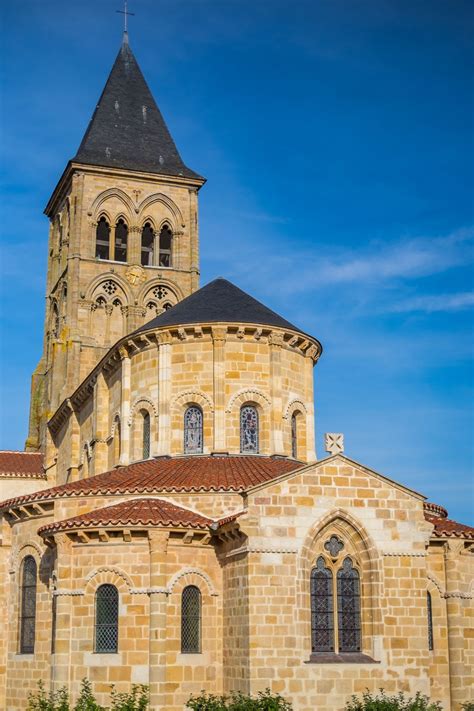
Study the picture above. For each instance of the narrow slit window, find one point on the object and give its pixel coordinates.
(430, 621)
(249, 434)
(348, 607)
(28, 606)
(191, 620)
(148, 238)
(165, 247)
(146, 435)
(294, 435)
(193, 426)
(121, 236)
(322, 608)
(102, 241)
(106, 619)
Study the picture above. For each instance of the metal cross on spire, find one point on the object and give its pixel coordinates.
(126, 14)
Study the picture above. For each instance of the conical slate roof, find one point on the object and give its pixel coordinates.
(127, 129)
(220, 301)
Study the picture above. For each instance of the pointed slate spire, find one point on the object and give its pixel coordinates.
(127, 129)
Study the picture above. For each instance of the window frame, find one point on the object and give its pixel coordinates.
(243, 449)
(429, 610)
(114, 624)
(165, 252)
(186, 429)
(197, 648)
(103, 219)
(27, 619)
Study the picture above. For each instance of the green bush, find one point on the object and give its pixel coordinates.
(398, 702)
(264, 701)
(468, 706)
(136, 700)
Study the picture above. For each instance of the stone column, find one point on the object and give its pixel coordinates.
(158, 543)
(61, 659)
(101, 422)
(75, 435)
(311, 357)
(125, 408)
(164, 392)
(456, 617)
(276, 414)
(219, 335)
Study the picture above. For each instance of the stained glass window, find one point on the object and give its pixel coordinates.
(165, 247)
(191, 620)
(249, 429)
(102, 240)
(294, 435)
(148, 239)
(146, 435)
(28, 606)
(430, 622)
(121, 235)
(348, 607)
(322, 608)
(193, 430)
(106, 619)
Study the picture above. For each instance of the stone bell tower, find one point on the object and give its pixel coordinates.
(123, 238)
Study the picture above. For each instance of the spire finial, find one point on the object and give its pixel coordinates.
(125, 14)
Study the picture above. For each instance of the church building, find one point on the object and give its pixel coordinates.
(169, 523)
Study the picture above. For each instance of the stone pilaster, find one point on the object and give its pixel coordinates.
(311, 356)
(276, 343)
(164, 393)
(101, 405)
(125, 408)
(218, 344)
(61, 659)
(158, 543)
(456, 621)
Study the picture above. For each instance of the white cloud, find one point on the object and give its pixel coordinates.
(435, 302)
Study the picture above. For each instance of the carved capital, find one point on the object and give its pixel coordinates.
(164, 338)
(158, 541)
(276, 339)
(123, 353)
(219, 334)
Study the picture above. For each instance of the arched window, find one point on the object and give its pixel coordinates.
(55, 321)
(294, 435)
(193, 439)
(28, 606)
(430, 621)
(322, 608)
(148, 239)
(117, 442)
(102, 240)
(348, 607)
(248, 429)
(146, 435)
(106, 619)
(165, 247)
(120, 241)
(191, 620)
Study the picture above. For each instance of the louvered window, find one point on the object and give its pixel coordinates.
(191, 620)
(348, 608)
(249, 429)
(322, 608)
(28, 606)
(120, 242)
(430, 622)
(193, 439)
(106, 619)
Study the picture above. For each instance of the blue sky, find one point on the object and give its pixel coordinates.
(336, 136)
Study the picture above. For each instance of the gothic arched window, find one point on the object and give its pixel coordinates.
(430, 621)
(191, 620)
(148, 240)
(106, 619)
(120, 241)
(146, 434)
(28, 605)
(348, 607)
(165, 247)
(248, 429)
(193, 436)
(102, 239)
(322, 608)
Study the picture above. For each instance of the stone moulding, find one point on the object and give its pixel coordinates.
(258, 549)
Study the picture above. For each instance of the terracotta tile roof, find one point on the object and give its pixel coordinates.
(197, 473)
(21, 464)
(446, 527)
(135, 512)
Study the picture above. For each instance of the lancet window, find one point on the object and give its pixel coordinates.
(106, 619)
(294, 435)
(335, 603)
(120, 241)
(102, 240)
(193, 430)
(165, 247)
(249, 434)
(191, 620)
(148, 239)
(430, 621)
(28, 605)
(146, 435)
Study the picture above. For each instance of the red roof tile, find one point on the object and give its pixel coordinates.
(445, 527)
(135, 512)
(197, 473)
(21, 464)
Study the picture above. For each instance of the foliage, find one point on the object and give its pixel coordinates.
(135, 700)
(468, 706)
(264, 701)
(398, 702)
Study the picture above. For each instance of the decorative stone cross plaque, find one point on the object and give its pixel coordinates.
(334, 442)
